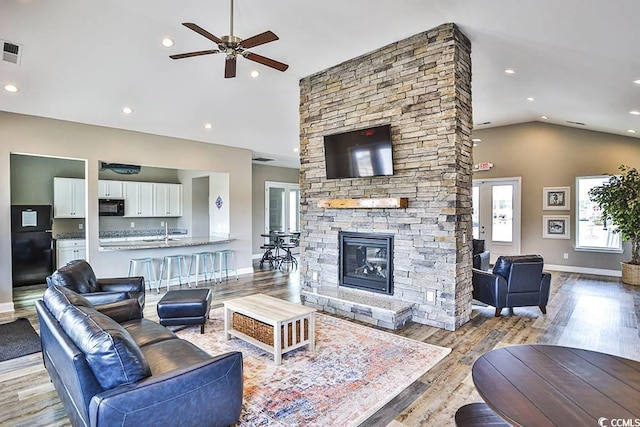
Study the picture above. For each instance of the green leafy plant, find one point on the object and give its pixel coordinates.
(619, 200)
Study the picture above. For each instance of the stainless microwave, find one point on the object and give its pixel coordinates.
(111, 207)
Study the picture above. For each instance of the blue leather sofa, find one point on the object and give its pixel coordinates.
(516, 281)
(112, 367)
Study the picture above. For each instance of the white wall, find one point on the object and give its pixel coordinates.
(40, 136)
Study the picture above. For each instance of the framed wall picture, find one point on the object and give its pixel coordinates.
(555, 198)
(555, 226)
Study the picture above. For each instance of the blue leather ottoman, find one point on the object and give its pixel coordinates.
(185, 307)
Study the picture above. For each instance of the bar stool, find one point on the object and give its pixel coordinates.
(202, 257)
(166, 263)
(147, 263)
(224, 257)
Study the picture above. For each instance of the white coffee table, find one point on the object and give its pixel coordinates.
(284, 320)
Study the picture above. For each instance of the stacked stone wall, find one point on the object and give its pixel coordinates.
(421, 86)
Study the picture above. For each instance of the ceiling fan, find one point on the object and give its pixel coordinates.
(234, 46)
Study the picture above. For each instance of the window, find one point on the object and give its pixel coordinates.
(592, 232)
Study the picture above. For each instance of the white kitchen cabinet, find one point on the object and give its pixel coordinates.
(110, 189)
(138, 199)
(68, 198)
(68, 250)
(168, 199)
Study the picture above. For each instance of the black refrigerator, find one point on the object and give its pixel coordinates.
(31, 244)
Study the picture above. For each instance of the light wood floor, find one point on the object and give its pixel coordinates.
(593, 312)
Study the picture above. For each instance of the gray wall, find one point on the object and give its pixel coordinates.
(47, 137)
(261, 174)
(32, 177)
(147, 174)
(547, 155)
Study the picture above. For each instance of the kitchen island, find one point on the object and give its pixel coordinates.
(159, 242)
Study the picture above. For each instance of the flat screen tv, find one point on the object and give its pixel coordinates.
(359, 153)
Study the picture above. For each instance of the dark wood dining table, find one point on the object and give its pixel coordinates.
(547, 385)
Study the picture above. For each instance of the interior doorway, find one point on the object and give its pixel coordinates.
(200, 206)
(496, 215)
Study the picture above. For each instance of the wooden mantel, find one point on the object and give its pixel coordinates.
(386, 203)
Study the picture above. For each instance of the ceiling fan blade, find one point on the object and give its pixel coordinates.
(202, 32)
(190, 54)
(230, 67)
(259, 39)
(265, 61)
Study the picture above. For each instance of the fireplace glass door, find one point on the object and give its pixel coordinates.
(366, 261)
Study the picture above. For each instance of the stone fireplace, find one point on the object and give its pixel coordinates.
(421, 86)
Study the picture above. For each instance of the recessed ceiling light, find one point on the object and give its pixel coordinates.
(475, 145)
(509, 71)
(476, 140)
(208, 125)
(11, 88)
(637, 82)
(127, 110)
(635, 112)
(544, 117)
(254, 73)
(530, 99)
(295, 150)
(631, 131)
(167, 42)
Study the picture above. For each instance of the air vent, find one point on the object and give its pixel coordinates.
(576, 123)
(11, 52)
(262, 159)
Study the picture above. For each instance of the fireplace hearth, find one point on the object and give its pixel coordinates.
(366, 261)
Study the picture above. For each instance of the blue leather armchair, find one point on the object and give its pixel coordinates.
(78, 276)
(516, 281)
(481, 257)
(111, 367)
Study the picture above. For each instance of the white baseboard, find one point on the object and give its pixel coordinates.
(256, 256)
(6, 307)
(584, 270)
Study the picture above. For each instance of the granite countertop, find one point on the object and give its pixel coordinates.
(161, 242)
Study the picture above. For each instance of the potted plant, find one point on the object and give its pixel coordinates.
(619, 200)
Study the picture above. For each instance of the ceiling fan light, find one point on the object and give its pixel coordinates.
(254, 73)
(167, 42)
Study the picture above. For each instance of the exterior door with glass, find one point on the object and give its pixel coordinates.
(496, 215)
(282, 207)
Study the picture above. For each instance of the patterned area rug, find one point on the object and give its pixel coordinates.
(353, 372)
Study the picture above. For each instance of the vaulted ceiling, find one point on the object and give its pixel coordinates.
(84, 61)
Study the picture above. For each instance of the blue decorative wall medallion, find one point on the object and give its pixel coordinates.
(219, 202)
